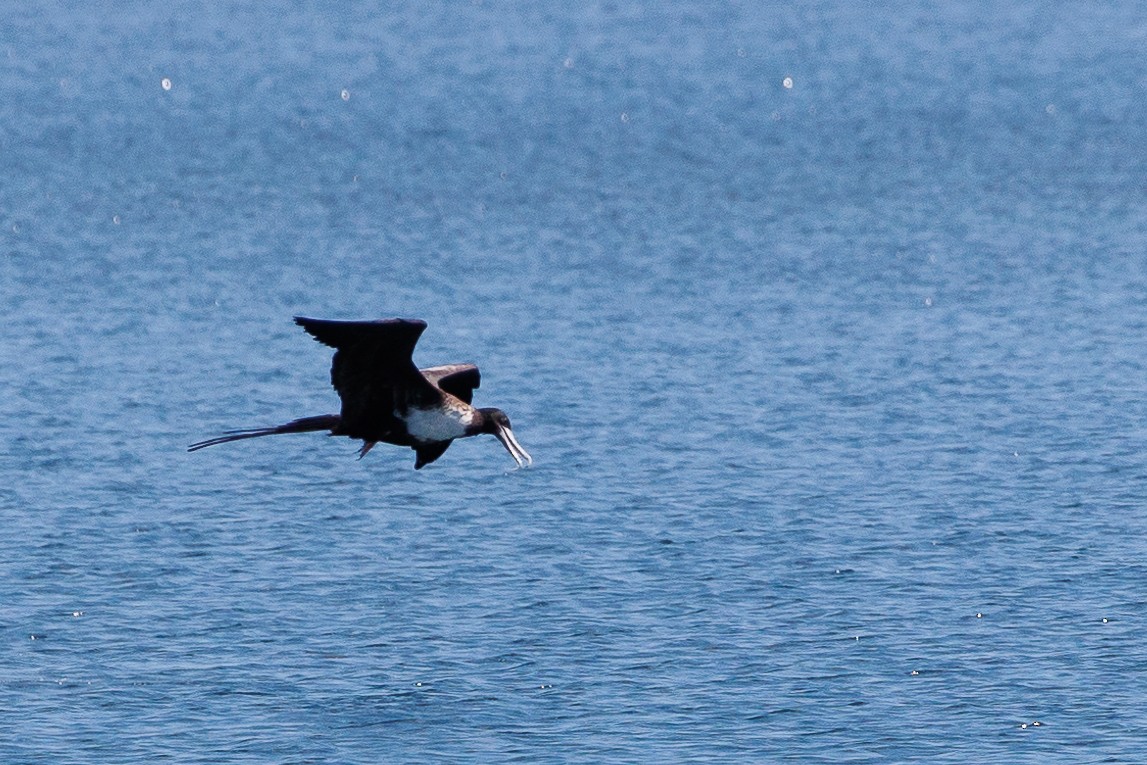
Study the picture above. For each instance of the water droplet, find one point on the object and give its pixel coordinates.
(165, 83)
(345, 94)
(788, 83)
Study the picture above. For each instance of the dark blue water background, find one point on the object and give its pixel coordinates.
(824, 323)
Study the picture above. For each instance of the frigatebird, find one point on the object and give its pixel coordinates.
(386, 398)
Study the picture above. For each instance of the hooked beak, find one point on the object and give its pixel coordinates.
(520, 455)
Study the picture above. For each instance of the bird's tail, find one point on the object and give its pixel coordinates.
(302, 425)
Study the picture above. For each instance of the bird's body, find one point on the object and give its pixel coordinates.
(386, 398)
(444, 423)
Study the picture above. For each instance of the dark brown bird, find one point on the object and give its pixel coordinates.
(386, 398)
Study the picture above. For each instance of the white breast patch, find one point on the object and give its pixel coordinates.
(430, 425)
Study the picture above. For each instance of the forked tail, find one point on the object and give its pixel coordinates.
(302, 425)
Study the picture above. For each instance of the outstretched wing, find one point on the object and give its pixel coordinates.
(424, 455)
(373, 372)
(459, 380)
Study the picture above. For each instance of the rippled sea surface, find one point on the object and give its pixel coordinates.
(826, 327)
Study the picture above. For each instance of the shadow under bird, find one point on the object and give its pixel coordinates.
(387, 399)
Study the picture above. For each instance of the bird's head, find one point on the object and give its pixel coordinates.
(496, 423)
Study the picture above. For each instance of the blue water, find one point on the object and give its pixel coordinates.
(826, 327)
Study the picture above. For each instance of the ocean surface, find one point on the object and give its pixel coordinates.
(825, 324)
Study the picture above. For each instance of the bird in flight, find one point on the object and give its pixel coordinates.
(387, 399)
